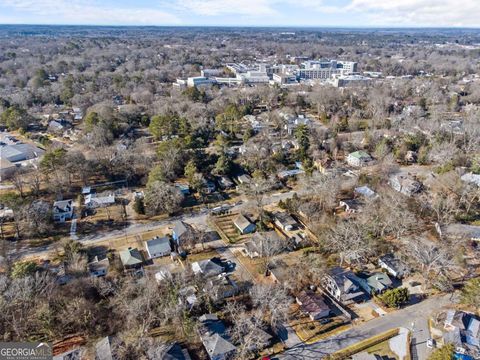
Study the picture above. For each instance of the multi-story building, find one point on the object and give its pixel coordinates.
(199, 81)
(325, 69)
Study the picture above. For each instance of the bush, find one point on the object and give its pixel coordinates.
(139, 206)
(22, 269)
(446, 352)
(395, 297)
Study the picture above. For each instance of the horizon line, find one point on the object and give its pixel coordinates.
(353, 27)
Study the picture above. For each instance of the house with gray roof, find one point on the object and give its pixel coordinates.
(461, 232)
(463, 330)
(20, 153)
(94, 200)
(131, 258)
(345, 286)
(244, 225)
(158, 247)
(209, 267)
(366, 192)
(405, 183)
(393, 265)
(98, 267)
(174, 351)
(215, 338)
(62, 210)
(284, 221)
(379, 282)
(180, 230)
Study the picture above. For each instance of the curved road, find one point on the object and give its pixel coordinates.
(417, 314)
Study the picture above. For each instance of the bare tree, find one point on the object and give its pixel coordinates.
(272, 301)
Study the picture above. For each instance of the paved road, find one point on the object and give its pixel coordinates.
(417, 313)
(198, 218)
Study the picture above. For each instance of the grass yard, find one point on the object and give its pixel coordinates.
(382, 349)
(204, 255)
(225, 226)
(310, 331)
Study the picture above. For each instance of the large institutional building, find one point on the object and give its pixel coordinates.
(283, 74)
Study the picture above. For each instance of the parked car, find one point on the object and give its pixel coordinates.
(431, 343)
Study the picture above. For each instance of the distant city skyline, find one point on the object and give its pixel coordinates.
(308, 13)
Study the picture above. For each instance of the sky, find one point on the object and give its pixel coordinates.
(307, 13)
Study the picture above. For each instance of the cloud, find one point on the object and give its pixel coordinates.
(228, 7)
(393, 13)
(441, 13)
(88, 12)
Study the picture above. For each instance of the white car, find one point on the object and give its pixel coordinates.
(431, 343)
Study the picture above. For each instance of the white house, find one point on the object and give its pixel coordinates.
(93, 201)
(359, 158)
(62, 210)
(98, 267)
(158, 247)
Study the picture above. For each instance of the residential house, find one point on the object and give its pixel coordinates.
(405, 184)
(393, 265)
(284, 221)
(174, 351)
(209, 267)
(220, 288)
(359, 158)
(180, 231)
(244, 225)
(57, 126)
(254, 247)
(263, 339)
(225, 182)
(282, 175)
(463, 330)
(215, 338)
(461, 232)
(15, 154)
(184, 188)
(313, 304)
(345, 286)
(103, 349)
(93, 201)
(163, 274)
(379, 282)
(209, 186)
(279, 272)
(366, 192)
(188, 296)
(251, 250)
(131, 258)
(98, 268)
(158, 247)
(20, 154)
(62, 210)
(351, 206)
